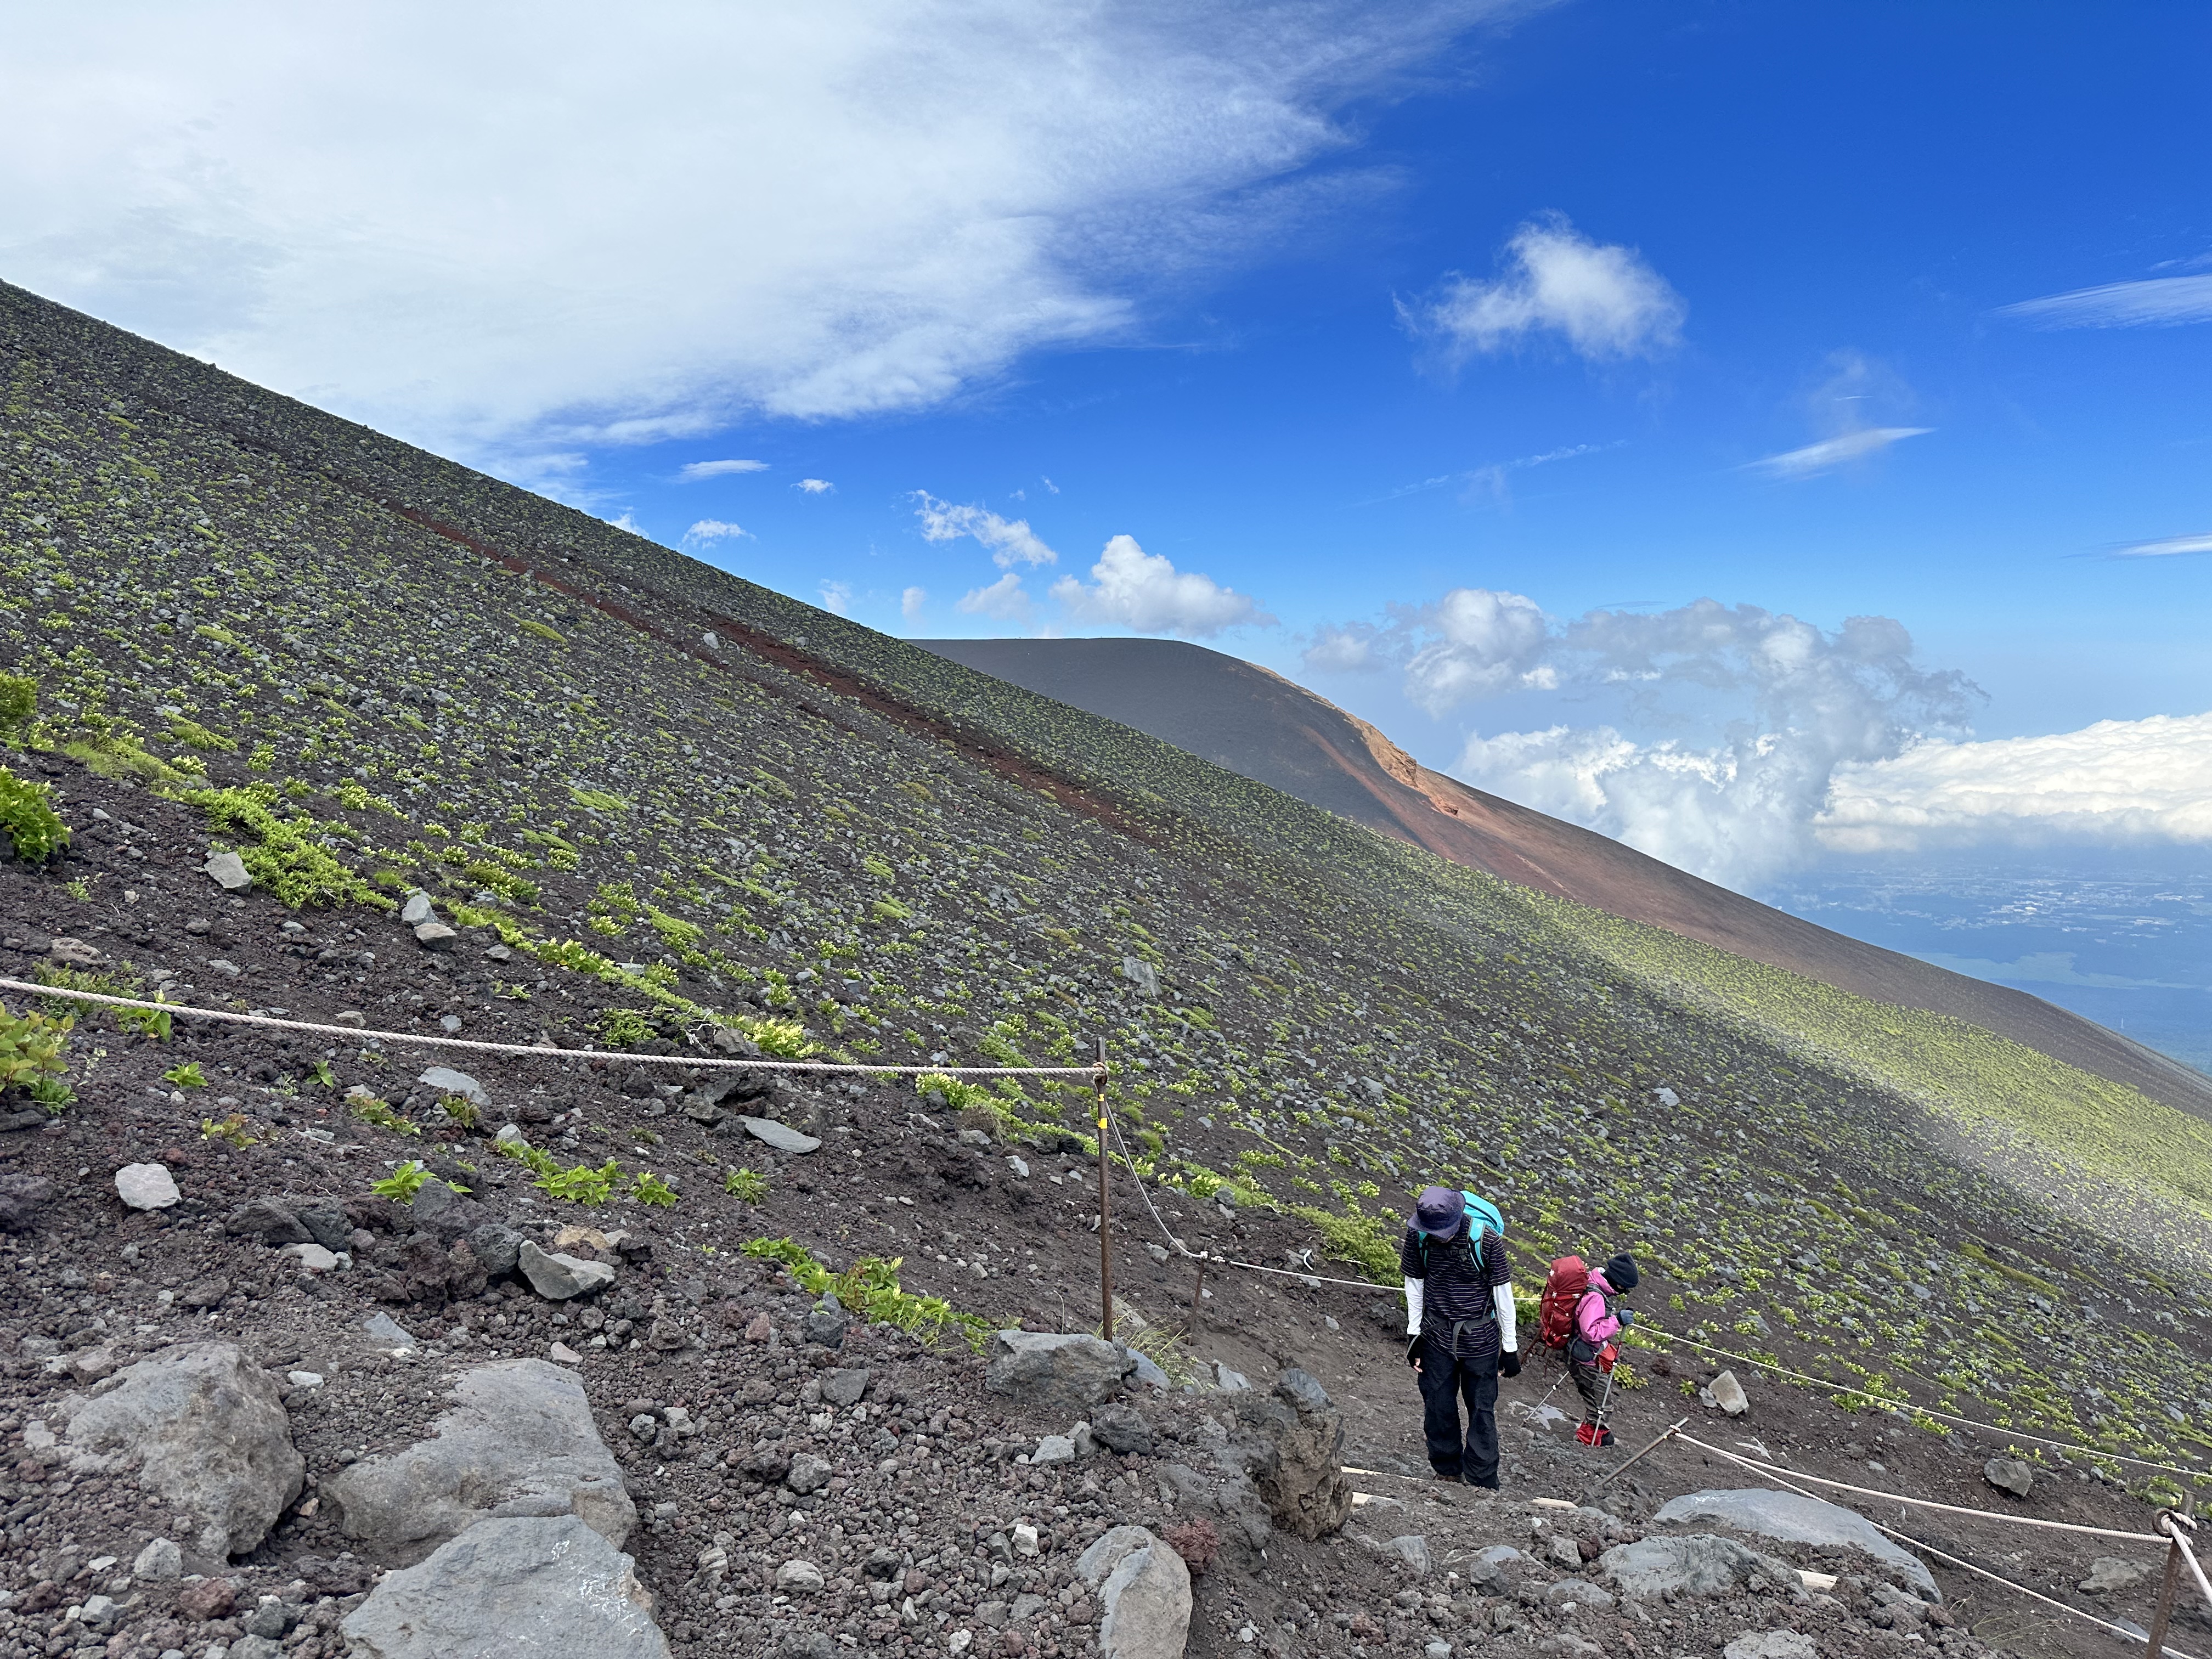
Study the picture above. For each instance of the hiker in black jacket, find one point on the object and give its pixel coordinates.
(1460, 1329)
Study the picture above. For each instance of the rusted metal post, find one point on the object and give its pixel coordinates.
(1105, 1207)
(1197, 1296)
(2155, 1646)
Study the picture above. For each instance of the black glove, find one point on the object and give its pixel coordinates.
(1508, 1363)
(1414, 1351)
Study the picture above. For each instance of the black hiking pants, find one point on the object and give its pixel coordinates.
(1446, 1381)
(1589, 1381)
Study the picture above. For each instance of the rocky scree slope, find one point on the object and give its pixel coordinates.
(651, 805)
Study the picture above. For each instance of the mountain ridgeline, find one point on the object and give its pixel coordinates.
(378, 671)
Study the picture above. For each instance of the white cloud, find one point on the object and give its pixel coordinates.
(2157, 302)
(1006, 599)
(1132, 588)
(1604, 298)
(2117, 780)
(626, 233)
(815, 486)
(1785, 704)
(628, 522)
(1343, 648)
(1011, 541)
(2172, 547)
(708, 530)
(837, 598)
(1832, 453)
(911, 601)
(698, 471)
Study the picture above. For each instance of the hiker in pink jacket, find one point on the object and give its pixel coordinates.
(1597, 1322)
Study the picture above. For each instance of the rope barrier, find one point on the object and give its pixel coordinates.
(539, 1051)
(1929, 1411)
(1945, 1556)
(1925, 1502)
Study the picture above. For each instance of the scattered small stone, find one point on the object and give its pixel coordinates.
(417, 909)
(160, 1562)
(1728, 1393)
(227, 870)
(844, 1387)
(435, 936)
(781, 1136)
(559, 1277)
(146, 1186)
(803, 1577)
(447, 1081)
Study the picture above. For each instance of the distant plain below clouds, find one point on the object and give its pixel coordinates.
(1602, 300)
(2154, 302)
(2113, 782)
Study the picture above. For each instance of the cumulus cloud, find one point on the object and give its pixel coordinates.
(2172, 547)
(705, 530)
(2146, 779)
(1783, 705)
(911, 601)
(1006, 599)
(2156, 302)
(699, 471)
(1832, 453)
(809, 212)
(1344, 648)
(1134, 589)
(1603, 298)
(1011, 541)
(837, 598)
(815, 486)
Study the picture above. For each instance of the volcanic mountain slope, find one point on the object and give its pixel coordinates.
(662, 805)
(1254, 721)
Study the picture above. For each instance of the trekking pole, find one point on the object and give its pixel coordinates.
(1105, 1207)
(1657, 1440)
(2155, 1643)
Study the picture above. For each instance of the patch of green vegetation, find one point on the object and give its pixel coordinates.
(369, 1109)
(744, 1184)
(236, 1130)
(581, 1183)
(28, 819)
(625, 1028)
(193, 735)
(19, 705)
(285, 856)
(185, 1075)
(870, 1288)
(32, 1047)
(649, 1189)
(403, 1183)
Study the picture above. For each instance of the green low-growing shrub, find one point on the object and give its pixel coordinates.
(870, 1287)
(31, 1054)
(27, 818)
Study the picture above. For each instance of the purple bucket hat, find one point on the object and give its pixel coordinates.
(1439, 1210)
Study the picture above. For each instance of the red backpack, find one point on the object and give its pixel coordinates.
(1563, 1293)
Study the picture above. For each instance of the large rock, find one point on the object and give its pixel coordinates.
(1728, 1393)
(504, 1588)
(1298, 1464)
(1144, 1589)
(519, 1442)
(207, 1430)
(1771, 1644)
(1060, 1374)
(1789, 1517)
(2009, 1475)
(1700, 1564)
(558, 1277)
(447, 1081)
(781, 1136)
(227, 870)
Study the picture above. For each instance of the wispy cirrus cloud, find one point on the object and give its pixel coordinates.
(1832, 453)
(1601, 298)
(700, 471)
(2154, 302)
(2172, 547)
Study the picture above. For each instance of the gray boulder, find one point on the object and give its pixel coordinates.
(1298, 1463)
(1791, 1518)
(1771, 1644)
(227, 870)
(519, 1442)
(2108, 1573)
(1065, 1374)
(1699, 1564)
(844, 1387)
(328, 1225)
(496, 1246)
(1144, 1589)
(2009, 1475)
(208, 1431)
(508, 1586)
(558, 1276)
(1122, 1429)
(781, 1136)
(274, 1222)
(146, 1186)
(447, 1081)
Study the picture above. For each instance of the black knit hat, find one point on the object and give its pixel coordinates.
(1620, 1273)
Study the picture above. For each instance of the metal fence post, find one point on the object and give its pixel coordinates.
(1105, 1207)
(2155, 1646)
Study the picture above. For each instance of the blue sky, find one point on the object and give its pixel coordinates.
(1444, 356)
